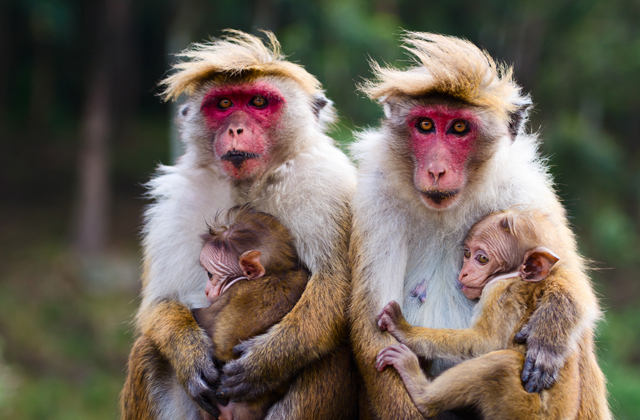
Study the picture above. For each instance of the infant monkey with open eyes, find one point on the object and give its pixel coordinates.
(255, 279)
(508, 264)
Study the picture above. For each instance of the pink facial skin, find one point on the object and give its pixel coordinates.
(242, 130)
(441, 153)
(477, 268)
(220, 266)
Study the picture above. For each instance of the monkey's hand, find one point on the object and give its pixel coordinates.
(200, 377)
(392, 320)
(542, 364)
(406, 363)
(400, 357)
(246, 377)
(171, 326)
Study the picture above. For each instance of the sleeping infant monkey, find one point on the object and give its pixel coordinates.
(508, 264)
(255, 279)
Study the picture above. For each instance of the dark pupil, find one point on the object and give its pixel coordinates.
(425, 125)
(259, 101)
(224, 103)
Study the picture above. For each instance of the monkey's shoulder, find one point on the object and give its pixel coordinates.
(514, 296)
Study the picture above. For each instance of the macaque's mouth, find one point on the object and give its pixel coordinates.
(472, 292)
(238, 157)
(438, 196)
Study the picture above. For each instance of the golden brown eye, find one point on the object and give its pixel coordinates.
(258, 101)
(460, 127)
(425, 125)
(210, 275)
(467, 253)
(482, 259)
(225, 103)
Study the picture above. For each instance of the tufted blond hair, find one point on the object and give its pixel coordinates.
(449, 66)
(237, 54)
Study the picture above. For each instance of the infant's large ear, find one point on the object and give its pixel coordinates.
(537, 264)
(251, 265)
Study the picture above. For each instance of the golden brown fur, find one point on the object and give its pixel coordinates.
(490, 381)
(250, 307)
(238, 54)
(448, 66)
(307, 185)
(404, 250)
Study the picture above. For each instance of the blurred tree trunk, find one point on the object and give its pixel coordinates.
(94, 198)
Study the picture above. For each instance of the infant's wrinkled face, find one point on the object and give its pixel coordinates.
(490, 249)
(478, 266)
(221, 266)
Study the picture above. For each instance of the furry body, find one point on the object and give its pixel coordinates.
(249, 308)
(307, 184)
(489, 376)
(405, 251)
(509, 260)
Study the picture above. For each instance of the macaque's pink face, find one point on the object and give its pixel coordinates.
(442, 141)
(243, 119)
(478, 266)
(221, 266)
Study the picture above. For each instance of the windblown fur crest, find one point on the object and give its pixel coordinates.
(449, 66)
(307, 186)
(236, 55)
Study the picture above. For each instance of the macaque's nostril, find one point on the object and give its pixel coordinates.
(240, 130)
(436, 175)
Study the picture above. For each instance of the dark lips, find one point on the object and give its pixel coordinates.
(438, 196)
(237, 157)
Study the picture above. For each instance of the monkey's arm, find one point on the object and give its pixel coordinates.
(563, 313)
(386, 394)
(314, 327)
(491, 331)
(171, 327)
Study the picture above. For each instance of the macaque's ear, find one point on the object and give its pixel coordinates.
(318, 104)
(391, 108)
(184, 110)
(250, 265)
(538, 263)
(519, 117)
(323, 110)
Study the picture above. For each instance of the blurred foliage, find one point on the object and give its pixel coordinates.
(64, 331)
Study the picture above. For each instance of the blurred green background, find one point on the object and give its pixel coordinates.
(82, 129)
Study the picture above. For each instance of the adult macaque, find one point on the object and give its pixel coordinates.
(253, 126)
(450, 150)
(255, 279)
(509, 265)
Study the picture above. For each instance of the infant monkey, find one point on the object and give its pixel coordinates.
(255, 279)
(509, 265)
